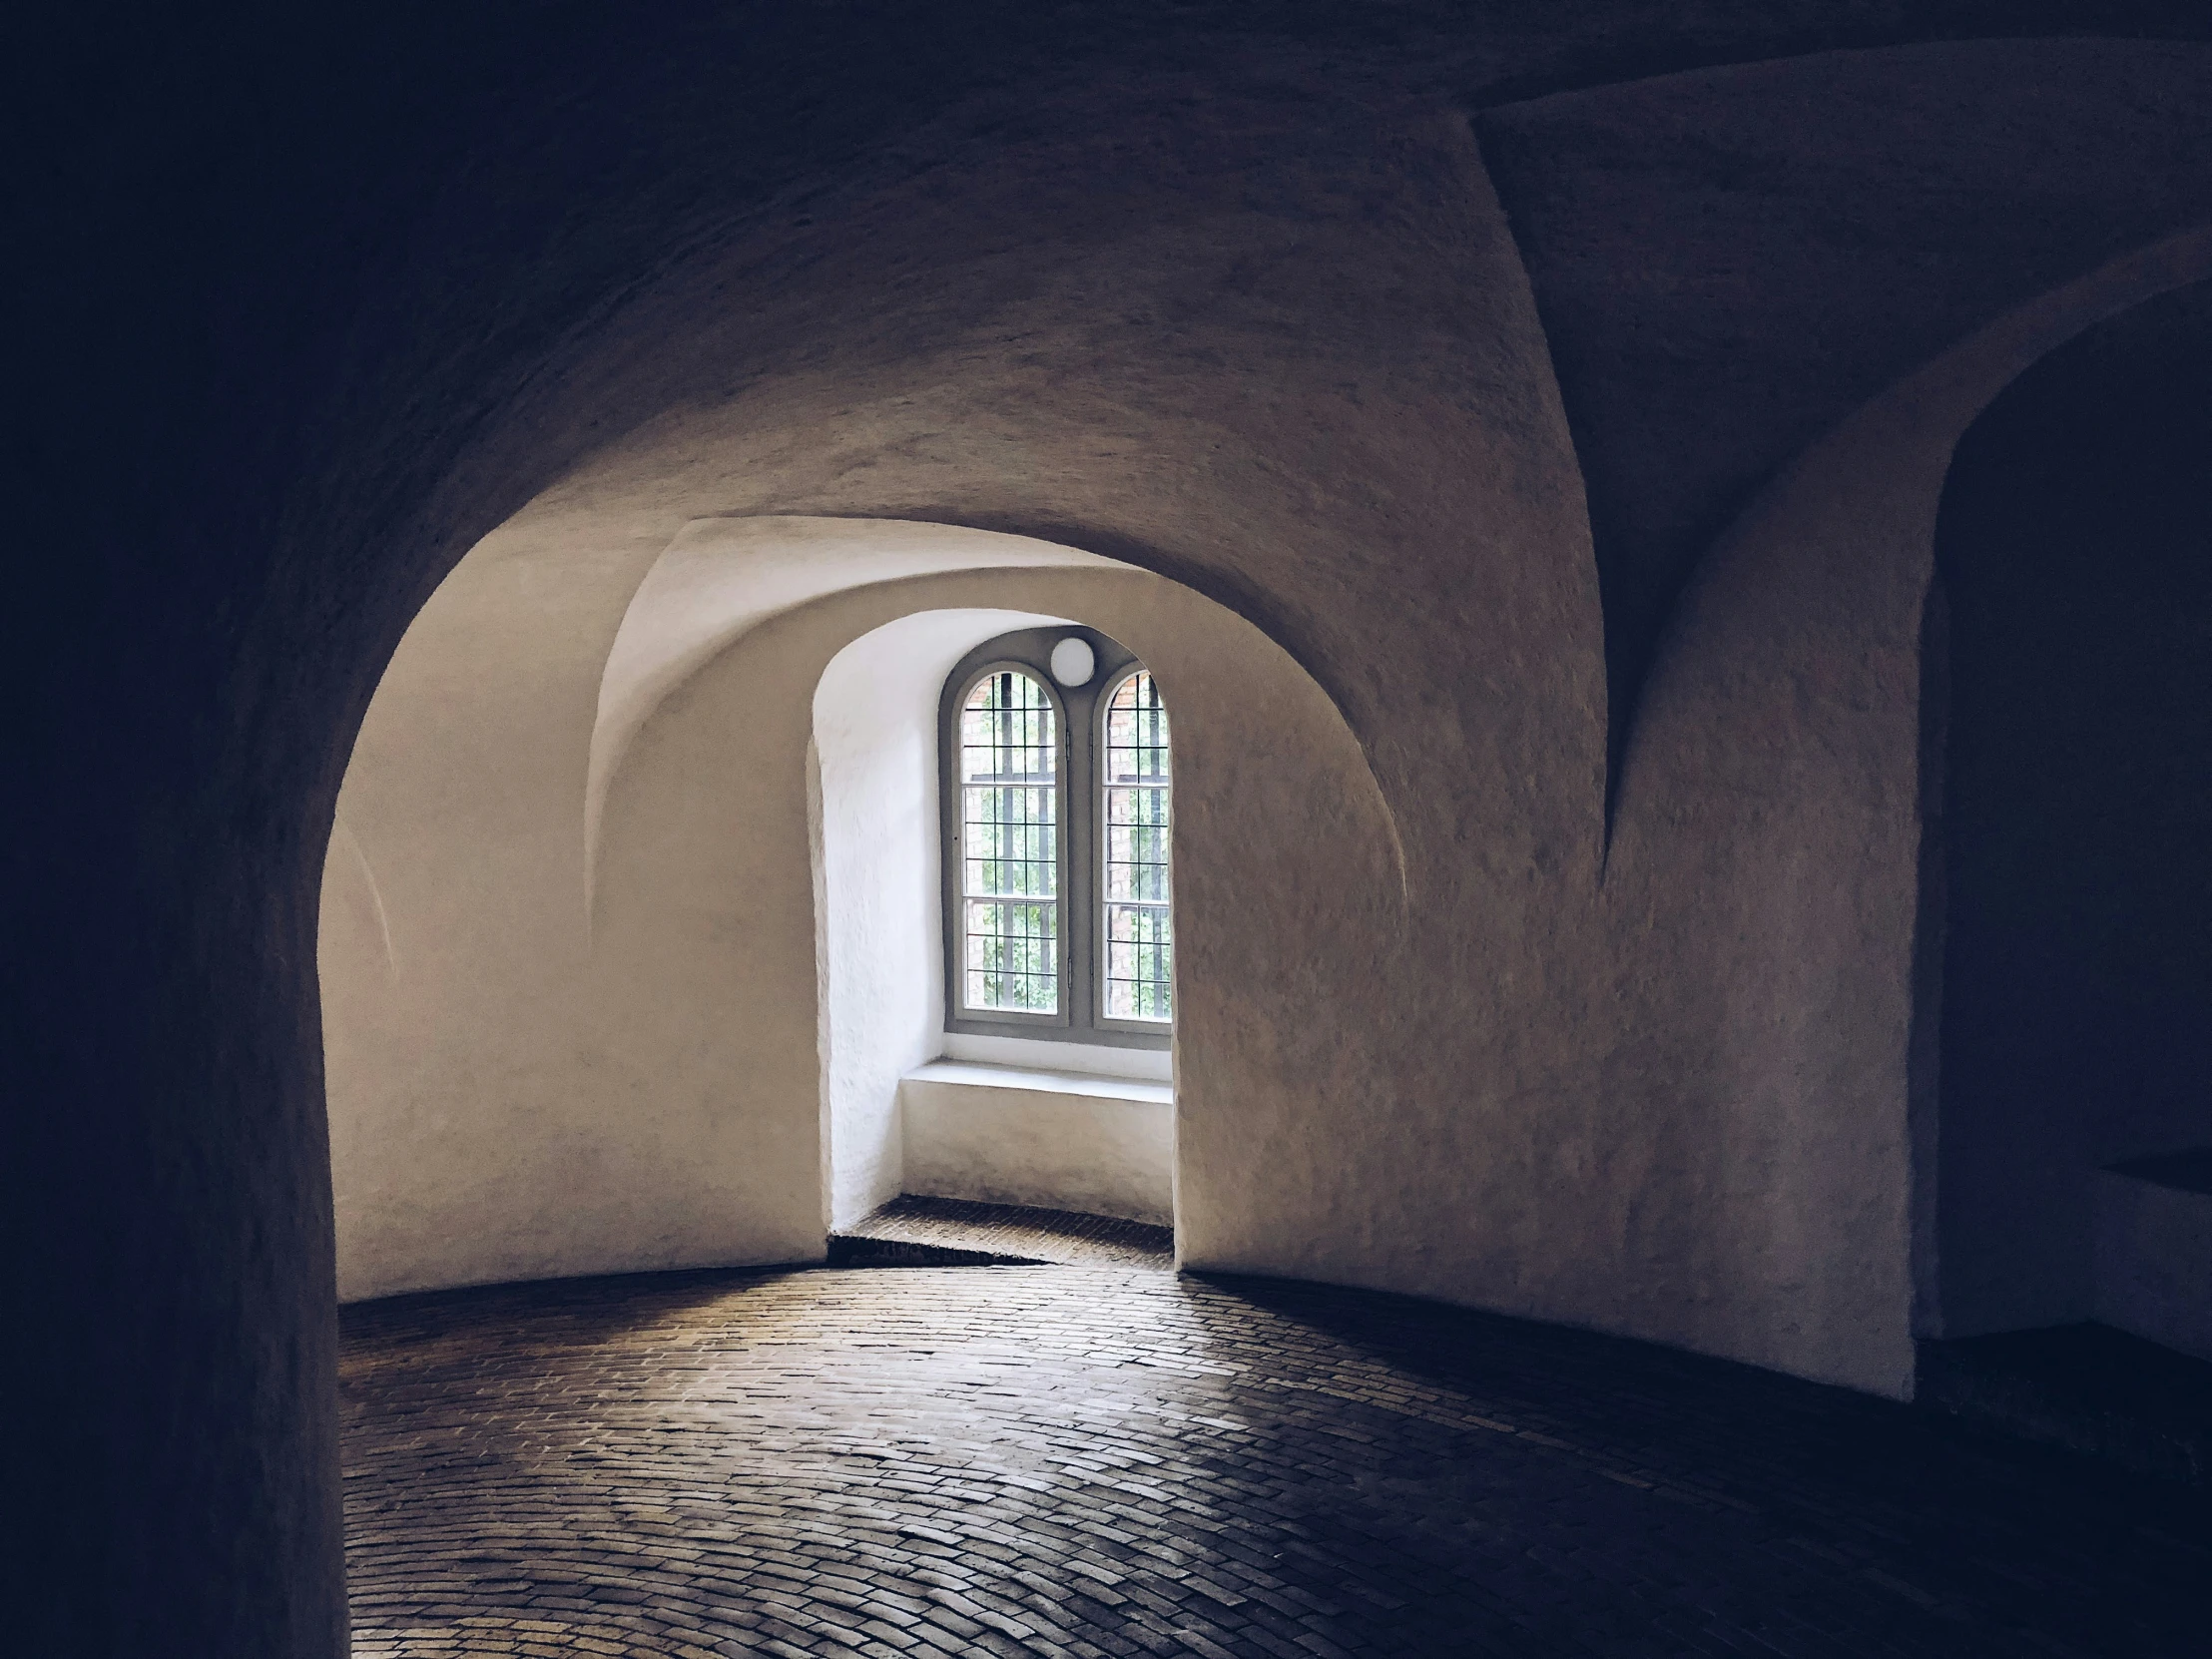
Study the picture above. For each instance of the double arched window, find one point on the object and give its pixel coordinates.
(1057, 795)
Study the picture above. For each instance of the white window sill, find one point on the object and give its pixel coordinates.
(1087, 1085)
(1150, 1065)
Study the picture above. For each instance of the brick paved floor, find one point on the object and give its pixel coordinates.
(1002, 1232)
(1116, 1461)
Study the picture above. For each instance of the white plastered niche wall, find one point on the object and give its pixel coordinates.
(1286, 872)
(876, 846)
(509, 1098)
(878, 842)
(535, 1079)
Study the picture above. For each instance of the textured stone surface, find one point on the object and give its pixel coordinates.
(1091, 1461)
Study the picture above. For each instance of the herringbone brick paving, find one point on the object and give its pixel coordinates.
(1090, 1460)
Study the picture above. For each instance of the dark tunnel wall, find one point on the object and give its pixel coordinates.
(2075, 548)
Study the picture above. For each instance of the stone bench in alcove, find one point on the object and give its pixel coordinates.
(1048, 1139)
(2153, 1249)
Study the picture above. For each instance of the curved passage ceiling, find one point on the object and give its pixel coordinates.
(1730, 261)
(721, 577)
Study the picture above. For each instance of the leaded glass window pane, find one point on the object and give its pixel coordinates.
(1010, 846)
(1139, 982)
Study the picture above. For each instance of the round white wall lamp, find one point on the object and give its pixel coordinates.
(1073, 662)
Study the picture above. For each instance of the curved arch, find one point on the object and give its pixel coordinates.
(1874, 479)
(2071, 729)
(1014, 380)
(723, 577)
(1778, 745)
(650, 1092)
(720, 578)
(341, 835)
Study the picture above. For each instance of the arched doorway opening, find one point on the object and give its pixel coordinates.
(2074, 557)
(630, 930)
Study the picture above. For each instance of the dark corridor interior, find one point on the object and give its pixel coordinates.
(2075, 552)
(1447, 345)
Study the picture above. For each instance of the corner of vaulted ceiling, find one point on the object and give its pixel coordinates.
(1612, 482)
(1543, 375)
(1871, 485)
(719, 578)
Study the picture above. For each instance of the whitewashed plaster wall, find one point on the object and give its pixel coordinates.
(526, 1096)
(509, 1097)
(875, 837)
(1281, 833)
(1783, 738)
(1652, 1073)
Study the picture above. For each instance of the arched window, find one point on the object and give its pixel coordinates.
(1138, 896)
(1010, 847)
(1058, 892)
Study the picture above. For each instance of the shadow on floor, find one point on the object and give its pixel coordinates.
(1680, 1413)
(2086, 1387)
(573, 1312)
(1095, 1460)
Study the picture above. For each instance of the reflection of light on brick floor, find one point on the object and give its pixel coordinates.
(1116, 1461)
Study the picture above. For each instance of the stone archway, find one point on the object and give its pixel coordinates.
(2074, 550)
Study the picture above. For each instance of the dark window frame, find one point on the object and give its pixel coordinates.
(1082, 713)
